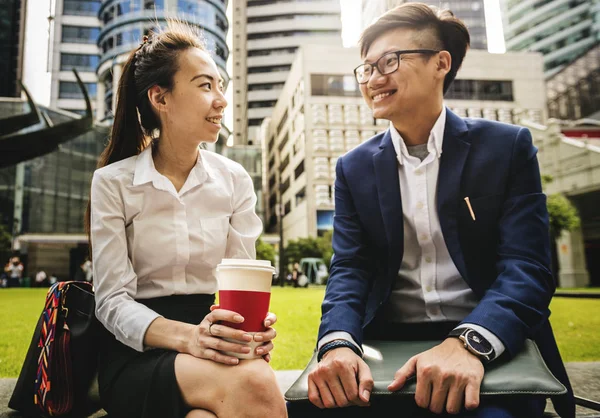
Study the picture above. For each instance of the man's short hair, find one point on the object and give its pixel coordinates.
(434, 29)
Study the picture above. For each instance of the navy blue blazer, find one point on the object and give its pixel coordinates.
(504, 255)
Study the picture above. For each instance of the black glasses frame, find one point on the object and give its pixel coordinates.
(398, 54)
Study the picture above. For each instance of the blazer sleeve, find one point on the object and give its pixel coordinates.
(351, 269)
(517, 302)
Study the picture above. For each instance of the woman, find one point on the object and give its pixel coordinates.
(162, 215)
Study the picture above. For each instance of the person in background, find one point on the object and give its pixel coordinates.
(14, 271)
(163, 213)
(80, 273)
(41, 279)
(88, 269)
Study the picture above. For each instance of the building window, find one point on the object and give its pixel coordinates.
(220, 52)
(301, 196)
(71, 90)
(81, 7)
(262, 103)
(265, 86)
(299, 170)
(80, 34)
(269, 69)
(334, 85)
(81, 62)
(284, 141)
(285, 185)
(282, 122)
(499, 90)
(154, 4)
(221, 23)
(284, 163)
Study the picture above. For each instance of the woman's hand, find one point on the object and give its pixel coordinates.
(207, 339)
(266, 337)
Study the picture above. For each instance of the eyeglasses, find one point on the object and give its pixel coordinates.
(386, 64)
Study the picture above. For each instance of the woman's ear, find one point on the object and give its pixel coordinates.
(156, 97)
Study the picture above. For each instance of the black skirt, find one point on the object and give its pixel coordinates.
(142, 384)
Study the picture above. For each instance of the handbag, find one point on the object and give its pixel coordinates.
(58, 376)
(524, 374)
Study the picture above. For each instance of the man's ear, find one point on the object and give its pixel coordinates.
(444, 63)
(156, 96)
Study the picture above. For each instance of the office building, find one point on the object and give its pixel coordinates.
(320, 115)
(471, 12)
(74, 31)
(125, 22)
(266, 34)
(574, 91)
(44, 199)
(12, 26)
(561, 30)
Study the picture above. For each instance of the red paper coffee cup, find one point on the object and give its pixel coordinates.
(245, 288)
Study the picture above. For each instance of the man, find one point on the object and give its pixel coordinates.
(440, 229)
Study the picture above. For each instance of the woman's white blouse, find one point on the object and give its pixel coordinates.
(148, 240)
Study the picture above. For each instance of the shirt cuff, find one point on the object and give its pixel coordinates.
(135, 337)
(494, 341)
(337, 335)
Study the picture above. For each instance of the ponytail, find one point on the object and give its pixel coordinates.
(154, 62)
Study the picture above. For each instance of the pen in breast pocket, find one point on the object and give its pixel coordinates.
(470, 208)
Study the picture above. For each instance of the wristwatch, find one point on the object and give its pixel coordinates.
(475, 343)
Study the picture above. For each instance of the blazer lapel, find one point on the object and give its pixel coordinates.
(388, 189)
(455, 149)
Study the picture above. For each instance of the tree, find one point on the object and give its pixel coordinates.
(319, 247)
(265, 251)
(5, 239)
(301, 248)
(563, 214)
(563, 217)
(324, 243)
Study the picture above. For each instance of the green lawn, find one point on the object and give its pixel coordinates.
(580, 289)
(576, 323)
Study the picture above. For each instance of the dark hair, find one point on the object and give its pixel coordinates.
(153, 63)
(450, 33)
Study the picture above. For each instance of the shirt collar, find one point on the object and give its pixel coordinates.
(434, 144)
(145, 171)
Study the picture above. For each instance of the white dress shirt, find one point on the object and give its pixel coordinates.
(429, 287)
(148, 240)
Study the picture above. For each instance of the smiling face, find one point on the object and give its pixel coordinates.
(416, 84)
(194, 106)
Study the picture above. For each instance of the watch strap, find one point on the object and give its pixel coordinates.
(458, 332)
(337, 344)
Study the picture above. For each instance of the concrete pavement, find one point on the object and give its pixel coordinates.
(585, 378)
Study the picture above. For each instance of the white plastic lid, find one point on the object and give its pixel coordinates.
(246, 262)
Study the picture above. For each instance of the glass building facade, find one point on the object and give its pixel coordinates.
(125, 22)
(561, 30)
(471, 12)
(55, 187)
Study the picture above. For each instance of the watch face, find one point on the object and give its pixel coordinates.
(478, 343)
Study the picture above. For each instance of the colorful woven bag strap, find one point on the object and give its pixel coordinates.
(43, 381)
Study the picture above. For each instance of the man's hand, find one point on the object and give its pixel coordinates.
(341, 379)
(448, 375)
